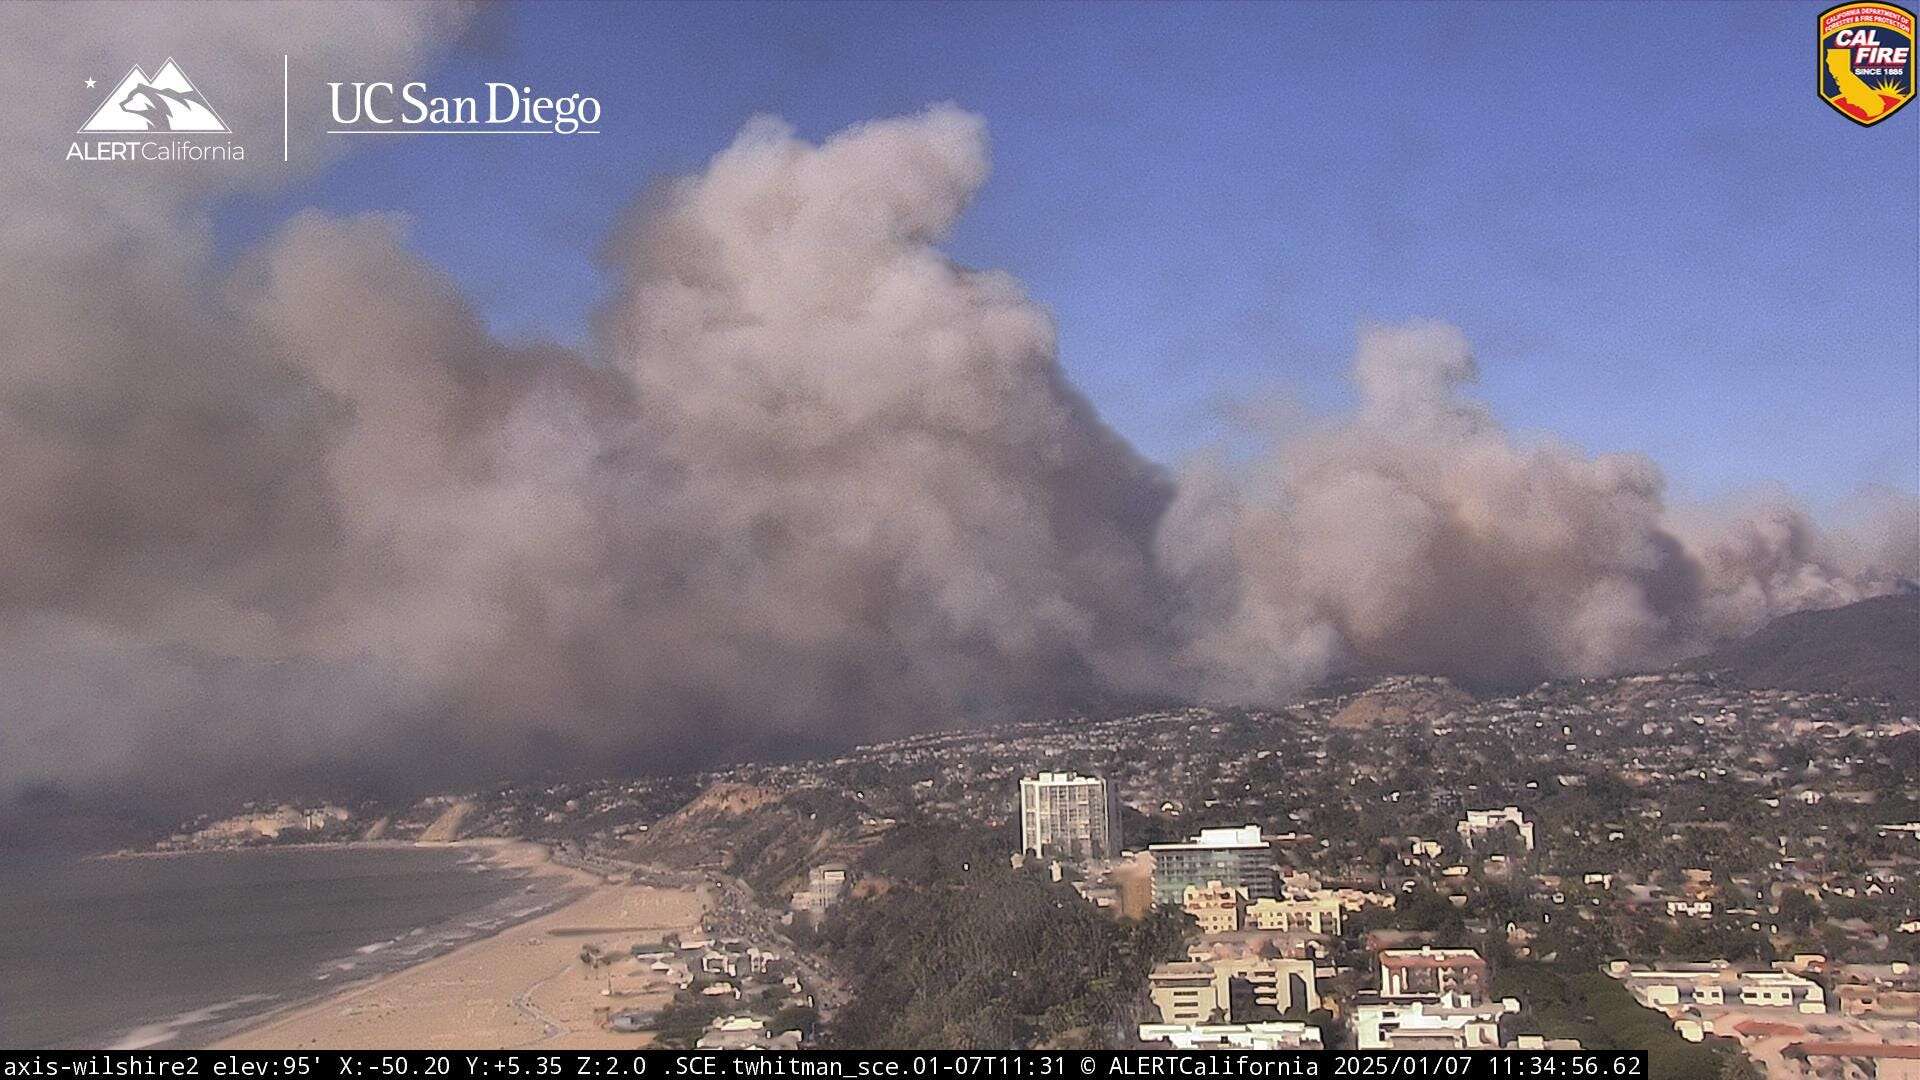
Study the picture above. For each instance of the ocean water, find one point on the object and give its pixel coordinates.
(175, 951)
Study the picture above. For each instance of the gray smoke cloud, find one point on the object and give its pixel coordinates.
(813, 482)
(1418, 535)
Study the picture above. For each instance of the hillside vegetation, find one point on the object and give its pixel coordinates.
(958, 949)
(1871, 648)
(766, 838)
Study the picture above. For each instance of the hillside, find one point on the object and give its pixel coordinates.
(765, 837)
(1868, 648)
(1400, 700)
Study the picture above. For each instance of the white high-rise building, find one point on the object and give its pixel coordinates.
(1068, 816)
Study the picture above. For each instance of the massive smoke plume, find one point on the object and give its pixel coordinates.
(1418, 535)
(812, 482)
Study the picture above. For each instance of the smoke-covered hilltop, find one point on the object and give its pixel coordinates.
(812, 482)
(1870, 649)
(1417, 535)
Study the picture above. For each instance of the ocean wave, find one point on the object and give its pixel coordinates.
(165, 1031)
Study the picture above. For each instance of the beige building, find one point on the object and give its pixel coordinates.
(1692, 986)
(1278, 983)
(1877, 1003)
(1781, 990)
(825, 884)
(1187, 993)
(1315, 916)
(1216, 907)
(1231, 990)
(1428, 971)
(1882, 1061)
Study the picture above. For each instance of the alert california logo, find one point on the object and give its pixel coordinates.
(162, 118)
(1866, 60)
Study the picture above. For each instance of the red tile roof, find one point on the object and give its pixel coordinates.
(1767, 1027)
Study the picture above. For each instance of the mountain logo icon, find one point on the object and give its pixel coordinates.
(167, 102)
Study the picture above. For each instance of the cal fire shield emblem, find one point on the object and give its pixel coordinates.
(1866, 60)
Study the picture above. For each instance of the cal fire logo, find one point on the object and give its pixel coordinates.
(166, 102)
(1866, 60)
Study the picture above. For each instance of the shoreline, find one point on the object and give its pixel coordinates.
(549, 885)
(520, 985)
(303, 845)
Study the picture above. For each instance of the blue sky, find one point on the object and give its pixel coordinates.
(1656, 235)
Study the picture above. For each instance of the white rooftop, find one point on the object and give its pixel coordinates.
(1243, 836)
(1061, 778)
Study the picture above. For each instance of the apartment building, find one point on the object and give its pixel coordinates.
(1232, 990)
(1780, 990)
(1877, 1003)
(1320, 915)
(1187, 993)
(1216, 907)
(1428, 972)
(825, 884)
(1236, 857)
(1065, 815)
(1692, 986)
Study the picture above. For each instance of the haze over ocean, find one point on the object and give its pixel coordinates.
(169, 950)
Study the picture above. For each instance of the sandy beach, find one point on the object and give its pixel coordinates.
(524, 987)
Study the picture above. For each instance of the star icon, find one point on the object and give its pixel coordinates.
(89, 84)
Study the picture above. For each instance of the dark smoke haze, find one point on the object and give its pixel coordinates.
(812, 483)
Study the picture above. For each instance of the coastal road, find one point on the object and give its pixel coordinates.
(737, 914)
(523, 1003)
